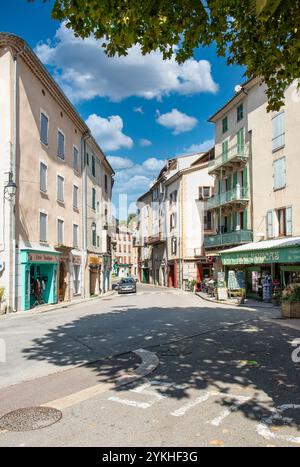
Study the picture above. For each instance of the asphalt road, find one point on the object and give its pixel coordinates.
(225, 377)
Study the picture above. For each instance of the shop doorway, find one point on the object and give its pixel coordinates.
(145, 275)
(171, 278)
(41, 280)
(62, 282)
(94, 282)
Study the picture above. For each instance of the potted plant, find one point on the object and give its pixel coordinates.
(290, 301)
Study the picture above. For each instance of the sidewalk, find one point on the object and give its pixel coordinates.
(57, 306)
(270, 313)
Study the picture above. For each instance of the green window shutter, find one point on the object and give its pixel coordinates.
(289, 220)
(225, 124)
(230, 222)
(245, 178)
(234, 221)
(225, 150)
(245, 219)
(241, 141)
(94, 198)
(229, 182)
(234, 179)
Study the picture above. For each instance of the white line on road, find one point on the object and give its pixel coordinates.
(184, 409)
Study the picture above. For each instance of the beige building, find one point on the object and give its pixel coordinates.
(172, 221)
(266, 229)
(43, 171)
(123, 252)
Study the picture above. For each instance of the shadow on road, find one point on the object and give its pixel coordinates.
(254, 356)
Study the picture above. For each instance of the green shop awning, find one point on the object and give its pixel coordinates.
(285, 250)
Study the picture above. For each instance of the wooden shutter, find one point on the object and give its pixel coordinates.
(270, 224)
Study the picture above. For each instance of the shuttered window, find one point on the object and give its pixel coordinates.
(279, 174)
(225, 150)
(289, 220)
(43, 177)
(94, 199)
(270, 224)
(60, 145)
(60, 189)
(60, 231)
(44, 129)
(43, 227)
(240, 112)
(225, 125)
(75, 159)
(241, 141)
(93, 166)
(75, 235)
(75, 196)
(278, 137)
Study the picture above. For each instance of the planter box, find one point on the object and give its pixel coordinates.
(290, 309)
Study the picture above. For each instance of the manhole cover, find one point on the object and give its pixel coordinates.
(31, 418)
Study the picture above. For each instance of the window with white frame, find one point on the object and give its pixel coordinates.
(76, 279)
(75, 159)
(75, 235)
(75, 196)
(173, 221)
(61, 145)
(278, 132)
(60, 231)
(279, 174)
(60, 188)
(43, 227)
(43, 177)
(44, 128)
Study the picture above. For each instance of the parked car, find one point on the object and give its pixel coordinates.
(127, 285)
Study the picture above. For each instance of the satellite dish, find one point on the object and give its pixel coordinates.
(238, 88)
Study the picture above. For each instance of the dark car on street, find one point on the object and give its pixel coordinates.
(127, 285)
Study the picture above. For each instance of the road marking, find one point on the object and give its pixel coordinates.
(233, 408)
(140, 405)
(263, 429)
(185, 408)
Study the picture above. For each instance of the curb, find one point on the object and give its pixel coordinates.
(243, 305)
(40, 310)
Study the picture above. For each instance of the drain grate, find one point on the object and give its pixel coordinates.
(30, 418)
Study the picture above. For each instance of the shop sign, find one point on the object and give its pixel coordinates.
(279, 255)
(94, 260)
(42, 258)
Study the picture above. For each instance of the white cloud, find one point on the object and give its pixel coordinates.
(119, 163)
(177, 121)
(201, 147)
(84, 71)
(145, 142)
(138, 110)
(108, 132)
(153, 164)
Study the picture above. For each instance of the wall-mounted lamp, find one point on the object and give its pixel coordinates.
(10, 189)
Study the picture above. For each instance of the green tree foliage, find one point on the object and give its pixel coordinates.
(263, 35)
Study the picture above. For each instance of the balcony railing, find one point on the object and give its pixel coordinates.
(231, 238)
(238, 194)
(239, 152)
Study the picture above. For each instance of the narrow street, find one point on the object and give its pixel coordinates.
(225, 375)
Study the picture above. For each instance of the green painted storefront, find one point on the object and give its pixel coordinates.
(39, 272)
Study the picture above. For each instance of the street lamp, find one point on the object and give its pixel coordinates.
(10, 188)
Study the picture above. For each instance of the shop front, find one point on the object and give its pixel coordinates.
(39, 272)
(76, 275)
(173, 274)
(95, 266)
(265, 267)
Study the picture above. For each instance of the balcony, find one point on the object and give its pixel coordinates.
(233, 157)
(228, 239)
(154, 239)
(239, 195)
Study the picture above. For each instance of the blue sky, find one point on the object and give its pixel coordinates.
(141, 110)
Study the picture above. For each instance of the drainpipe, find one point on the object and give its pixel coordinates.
(13, 168)
(84, 139)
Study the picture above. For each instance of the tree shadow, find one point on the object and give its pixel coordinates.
(221, 354)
